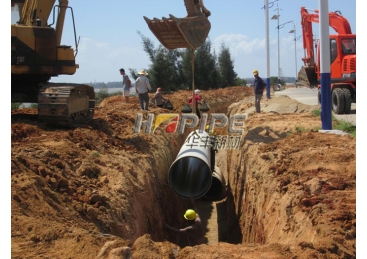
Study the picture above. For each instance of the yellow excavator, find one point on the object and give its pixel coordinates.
(37, 55)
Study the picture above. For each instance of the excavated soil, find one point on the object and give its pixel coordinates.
(100, 191)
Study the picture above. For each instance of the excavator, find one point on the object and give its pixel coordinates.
(342, 59)
(37, 55)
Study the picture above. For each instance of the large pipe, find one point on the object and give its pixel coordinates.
(217, 190)
(190, 175)
(193, 174)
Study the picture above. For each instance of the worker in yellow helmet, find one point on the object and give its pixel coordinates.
(195, 232)
(259, 87)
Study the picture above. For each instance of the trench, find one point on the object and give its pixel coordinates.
(216, 207)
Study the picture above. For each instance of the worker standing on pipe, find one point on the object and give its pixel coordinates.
(195, 232)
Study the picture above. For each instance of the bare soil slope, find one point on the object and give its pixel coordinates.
(100, 191)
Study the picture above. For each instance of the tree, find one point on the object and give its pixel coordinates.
(148, 46)
(226, 68)
(241, 81)
(205, 68)
(206, 73)
(165, 70)
(274, 81)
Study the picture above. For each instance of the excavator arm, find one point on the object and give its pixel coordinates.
(188, 32)
(336, 21)
(340, 24)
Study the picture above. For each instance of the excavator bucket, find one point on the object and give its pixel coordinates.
(189, 32)
(308, 76)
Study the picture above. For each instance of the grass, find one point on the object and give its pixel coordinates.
(316, 113)
(15, 105)
(338, 124)
(302, 129)
(346, 127)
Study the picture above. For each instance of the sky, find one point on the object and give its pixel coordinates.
(109, 39)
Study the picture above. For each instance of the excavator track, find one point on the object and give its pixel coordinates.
(66, 104)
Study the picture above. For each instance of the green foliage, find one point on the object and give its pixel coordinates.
(15, 105)
(337, 124)
(34, 105)
(186, 68)
(316, 112)
(133, 73)
(165, 70)
(205, 69)
(301, 129)
(274, 81)
(206, 74)
(240, 82)
(148, 47)
(172, 69)
(95, 154)
(346, 127)
(226, 67)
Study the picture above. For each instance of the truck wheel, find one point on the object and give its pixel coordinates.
(348, 100)
(338, 101)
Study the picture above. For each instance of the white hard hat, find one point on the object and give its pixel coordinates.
(197, 91)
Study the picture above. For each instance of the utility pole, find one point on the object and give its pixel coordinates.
(295, 50)
(276, 17)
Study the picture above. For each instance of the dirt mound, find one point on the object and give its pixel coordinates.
(100, 190)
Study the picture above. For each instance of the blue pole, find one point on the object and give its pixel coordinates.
(325, 66)
(267, 80)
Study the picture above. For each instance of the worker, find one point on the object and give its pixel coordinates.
(259, 87)
(158, 98)
(142, 87)
(126, 84)
(195, 232)
(198, 100)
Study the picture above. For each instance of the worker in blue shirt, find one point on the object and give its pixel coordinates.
(259, 87)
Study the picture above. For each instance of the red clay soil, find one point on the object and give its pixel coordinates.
(100, 191)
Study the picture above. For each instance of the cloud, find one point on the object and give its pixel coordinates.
(101, 61)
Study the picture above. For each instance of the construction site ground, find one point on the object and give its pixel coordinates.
(100, 191)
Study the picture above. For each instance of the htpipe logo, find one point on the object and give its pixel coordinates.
(176, 123)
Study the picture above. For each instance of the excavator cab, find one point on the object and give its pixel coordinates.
(188, 32)
(37, 55)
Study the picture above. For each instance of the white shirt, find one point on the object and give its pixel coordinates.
(142, 84)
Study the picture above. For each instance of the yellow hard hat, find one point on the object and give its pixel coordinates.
(255, 72)
(190, 214)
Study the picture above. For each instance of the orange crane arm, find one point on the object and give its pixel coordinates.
(336, 21)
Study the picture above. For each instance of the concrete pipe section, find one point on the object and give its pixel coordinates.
(190, 175)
